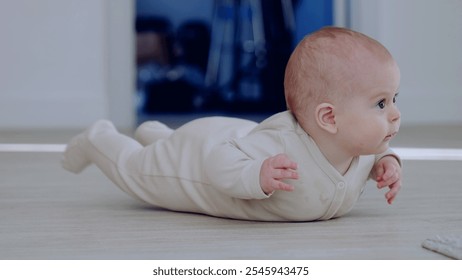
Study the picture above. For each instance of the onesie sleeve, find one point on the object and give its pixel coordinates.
(233, 167)
(388, 152)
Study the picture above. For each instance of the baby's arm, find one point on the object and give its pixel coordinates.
(387, 173)
(247, 168)
(234, 172)
(274, 170)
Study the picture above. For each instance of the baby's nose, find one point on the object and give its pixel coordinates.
(395, 115)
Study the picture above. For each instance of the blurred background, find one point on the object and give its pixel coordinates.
(227, 57)
(65, 64)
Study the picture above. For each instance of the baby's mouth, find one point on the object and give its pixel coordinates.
(391, 135)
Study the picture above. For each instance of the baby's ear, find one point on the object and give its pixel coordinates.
(325, 117)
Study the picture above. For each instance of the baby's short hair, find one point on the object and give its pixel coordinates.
(321, 66)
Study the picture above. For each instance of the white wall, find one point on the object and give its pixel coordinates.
(120, 62)
(57, 66)
(425, 37)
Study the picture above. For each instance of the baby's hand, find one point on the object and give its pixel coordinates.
(274, 170)
(387, 172)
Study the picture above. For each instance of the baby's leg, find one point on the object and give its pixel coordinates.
(151, 131)
(111, 151)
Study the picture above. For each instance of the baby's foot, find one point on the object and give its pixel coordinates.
(74, 158)
(151, 131)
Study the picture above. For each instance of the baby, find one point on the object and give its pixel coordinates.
(308, 163)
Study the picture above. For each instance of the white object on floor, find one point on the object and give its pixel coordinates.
(428, 154)
(449, 245)
(404, 153)
(32, 147)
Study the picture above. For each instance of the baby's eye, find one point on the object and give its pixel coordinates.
(381, 104)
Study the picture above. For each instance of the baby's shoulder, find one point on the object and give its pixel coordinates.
(283, 121)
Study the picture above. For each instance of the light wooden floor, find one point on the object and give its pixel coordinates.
(47, 213)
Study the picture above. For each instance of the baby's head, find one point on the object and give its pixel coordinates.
(328, 65)
(342, 84)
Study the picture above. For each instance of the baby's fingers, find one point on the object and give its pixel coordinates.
(378, 171)
(394, 189)
(283, 161)
(389, 177)
(281, 186)
(281, 174)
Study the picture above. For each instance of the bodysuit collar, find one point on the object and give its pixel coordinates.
(322, 161)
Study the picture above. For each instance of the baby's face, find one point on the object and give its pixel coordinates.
(369, 118)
